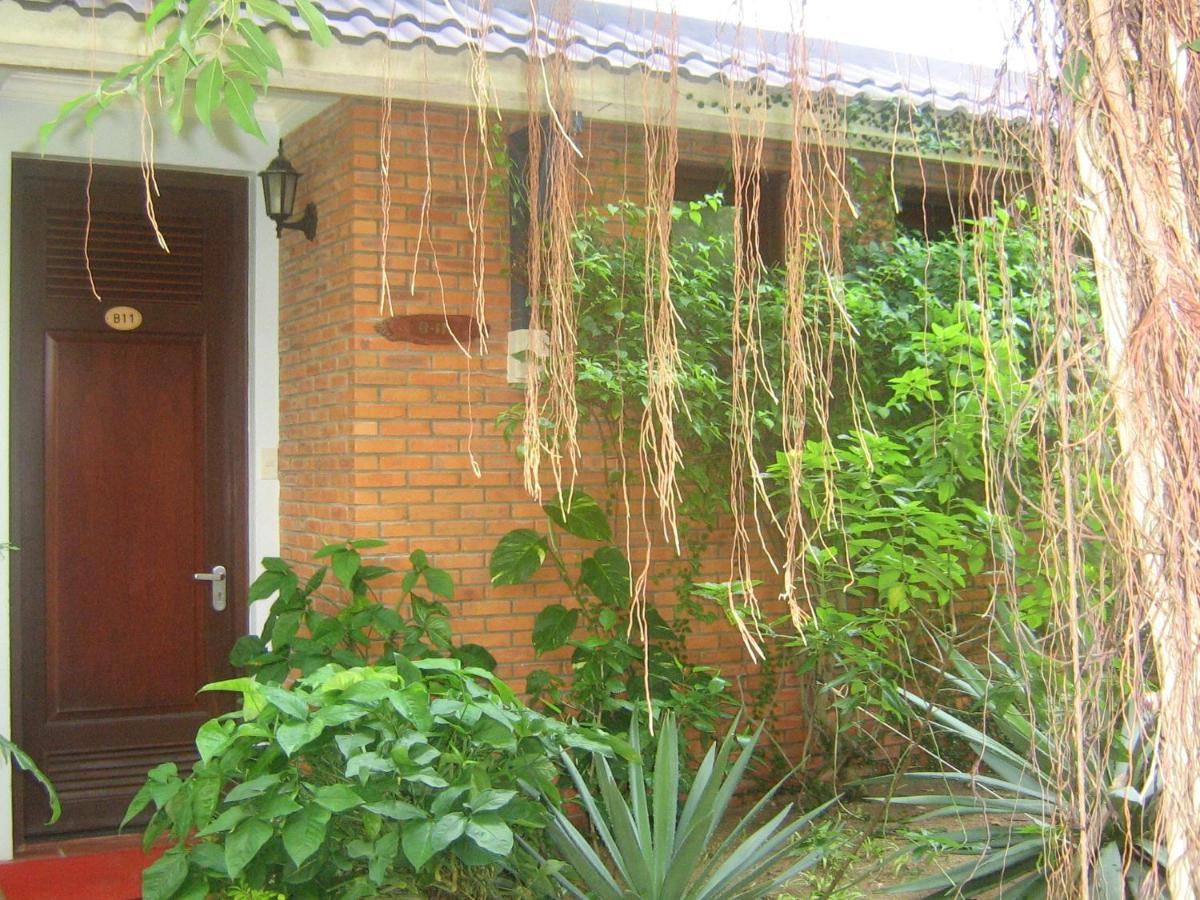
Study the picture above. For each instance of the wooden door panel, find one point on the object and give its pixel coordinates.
(123, 471)
(128, 475)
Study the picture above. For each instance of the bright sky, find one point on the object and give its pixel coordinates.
(968, 31)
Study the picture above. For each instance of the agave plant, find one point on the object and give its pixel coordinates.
(657, 851)
(1018, 790)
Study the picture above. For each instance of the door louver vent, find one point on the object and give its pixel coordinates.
(127, 263)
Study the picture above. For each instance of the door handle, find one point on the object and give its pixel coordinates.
(217, 579)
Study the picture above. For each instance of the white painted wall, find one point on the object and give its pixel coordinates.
(26, 102)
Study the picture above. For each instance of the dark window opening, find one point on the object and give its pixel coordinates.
(695, 182)
(932, 212)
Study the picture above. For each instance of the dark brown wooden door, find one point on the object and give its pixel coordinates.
(128, 474)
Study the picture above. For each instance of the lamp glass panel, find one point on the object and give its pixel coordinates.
(272, 192)
(288, 194)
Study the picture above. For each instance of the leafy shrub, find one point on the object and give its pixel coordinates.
(353, 780)
(607, 666)
(306, 630)
(657, 851)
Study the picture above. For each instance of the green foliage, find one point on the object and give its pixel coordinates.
(610, 282)
(948, 334)
(9, 750)
(214, 52)
(944, 336)
(659, 851)
(306, 630)
(922, 469)
(607, 665)
(1023, 784)
(354, 781)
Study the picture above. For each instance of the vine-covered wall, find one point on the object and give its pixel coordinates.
(400, 441)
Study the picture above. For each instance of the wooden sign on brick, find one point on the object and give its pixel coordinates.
(436, 329)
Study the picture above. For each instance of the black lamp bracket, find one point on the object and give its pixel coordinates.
(306, 223)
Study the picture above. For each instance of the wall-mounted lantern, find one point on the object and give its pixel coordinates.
(279, 181)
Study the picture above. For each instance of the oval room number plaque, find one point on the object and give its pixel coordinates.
(123, 318)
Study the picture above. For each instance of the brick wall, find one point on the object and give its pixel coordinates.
(378, 439)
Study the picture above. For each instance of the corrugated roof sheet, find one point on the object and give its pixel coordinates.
(625, 39)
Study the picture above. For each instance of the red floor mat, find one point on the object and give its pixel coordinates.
(115, 875)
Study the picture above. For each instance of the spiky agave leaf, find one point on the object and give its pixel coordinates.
(1017, 789)
(658, 851)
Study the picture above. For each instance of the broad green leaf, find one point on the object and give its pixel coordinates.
(429, 778)
(194, 888)
(517, 556)
(317, 26)
(346, 564)
(165, 876)
(368, 763)
(294, 735)
(412, 702)
(173, 84)
(337, 797)
(553, 627)
(209, 856)
(243, 844)
(489, 832)
(606, 573)
(278, 806)
(304, 832)
(397, 810)
(257, 40)
(285, 629)
(579, 514)
(383, 855)
(416, 839)
(243, 59)
(206, 794)
(439, 582)
(197, 14)
(253, 700)
(157, 776)
(212, 738)
(286, 701)
(254, 787)
(268, 582)
(269, 9)
(47, 130)
(25, 762)
(491, 800)
(245, 649)
(207, 96)
(447, 829)
(349, 744)
(226, 821)
(239, 99)
(162, 9)
(338, 714)
(474, 656)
